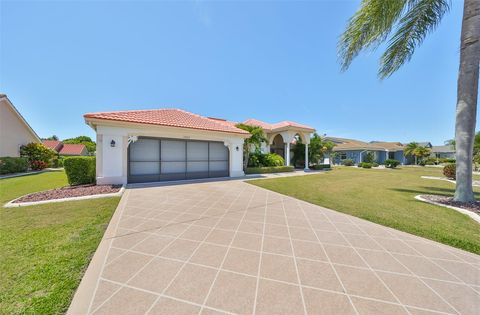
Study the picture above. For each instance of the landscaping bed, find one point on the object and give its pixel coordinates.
(269, 169)
(448, 201)
(70, 191)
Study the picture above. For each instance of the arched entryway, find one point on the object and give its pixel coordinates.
(278, 146)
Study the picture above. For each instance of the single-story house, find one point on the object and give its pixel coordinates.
(67, 149)
(173, 144)
(14, 129)
(443, 151)
(356, 150)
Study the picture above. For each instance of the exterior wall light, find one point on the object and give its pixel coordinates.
(237, 148)
(112, 143)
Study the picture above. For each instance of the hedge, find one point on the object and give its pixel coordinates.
(390, 163)
(80, 170)
(269, 169)
(10, 165)
(450, 171)
(321, 166)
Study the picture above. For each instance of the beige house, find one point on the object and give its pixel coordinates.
(14, 129)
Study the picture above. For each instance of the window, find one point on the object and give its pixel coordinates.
(343, 156)
(391, 155)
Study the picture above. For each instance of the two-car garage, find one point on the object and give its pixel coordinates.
(163, 159)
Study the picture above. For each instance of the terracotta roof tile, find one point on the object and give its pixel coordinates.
(72, 149)
(168, 117)
(271, 127)
(53, 144)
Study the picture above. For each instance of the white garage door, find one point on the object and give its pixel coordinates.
(155, 159)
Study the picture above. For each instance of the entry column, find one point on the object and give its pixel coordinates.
(287, 154)
(306, 157)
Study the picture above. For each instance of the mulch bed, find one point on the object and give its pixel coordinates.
(470, 206)
(67, 192)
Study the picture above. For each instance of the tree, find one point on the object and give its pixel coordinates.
(53, 137)
(410, 150)
(422, 152)
(318, 148)
(257, 136)
(411, 21)
(87, 141)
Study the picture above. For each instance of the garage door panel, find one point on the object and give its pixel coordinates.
(197, 151)
(173, 150)
(218, 151)
(145, 150)
(156, 159)
(173, 167)
(145, 168)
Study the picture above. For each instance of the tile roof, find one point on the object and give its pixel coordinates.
(443, 149)
(72, 149)
(343, 144)
(170, 117)
(279, 125)
(52, 144)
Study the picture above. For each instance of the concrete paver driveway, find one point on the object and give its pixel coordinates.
(230, 247)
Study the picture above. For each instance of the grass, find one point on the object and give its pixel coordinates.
(45, 249)
(385, 197)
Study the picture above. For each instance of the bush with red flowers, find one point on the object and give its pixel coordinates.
(38, 165)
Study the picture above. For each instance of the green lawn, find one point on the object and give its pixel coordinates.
(45, 249)
(385, 197)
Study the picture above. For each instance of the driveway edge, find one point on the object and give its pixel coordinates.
(86, 290)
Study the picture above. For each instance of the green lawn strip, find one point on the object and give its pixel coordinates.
(11, 188)
(385, 197)
(45, 249)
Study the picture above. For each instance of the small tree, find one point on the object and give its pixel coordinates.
(257, 136)
(369, 157)
(37, 155)
(410, 150)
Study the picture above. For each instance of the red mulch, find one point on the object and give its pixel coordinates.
(70, 191)
(470, 206)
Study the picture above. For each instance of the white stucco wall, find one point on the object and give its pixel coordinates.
(112, 161)
(13, 131)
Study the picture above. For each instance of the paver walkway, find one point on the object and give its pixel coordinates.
(231, 247)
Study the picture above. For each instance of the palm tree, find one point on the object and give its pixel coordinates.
(422, 152)
(257, 136)
(411, 149)
(411, 21)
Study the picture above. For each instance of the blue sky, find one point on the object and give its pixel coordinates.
(236, 60)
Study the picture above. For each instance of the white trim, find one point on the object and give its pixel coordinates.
(471, 214)
(11, 203)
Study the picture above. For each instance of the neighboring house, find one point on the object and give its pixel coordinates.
(356, 150)
(14, 129)
(66, 148)
(173, 144)
(443, 151)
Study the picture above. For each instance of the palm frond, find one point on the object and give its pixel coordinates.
(421, 18)
(368, 28)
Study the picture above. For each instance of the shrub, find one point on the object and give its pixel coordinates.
(80, 170)
(270, 169)
(272, 159)
(390, 163)
(375, 164)
(450, 171)
(321, 166)
(429, 163)
(366, 165)
(259, 159)
(348, 162)
(10, 165)
(369, 157)
(38, 165)
(37, 152)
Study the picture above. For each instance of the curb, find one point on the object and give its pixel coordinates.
(12, 204)
(471, 214)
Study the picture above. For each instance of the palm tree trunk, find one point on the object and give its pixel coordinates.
(467, 92)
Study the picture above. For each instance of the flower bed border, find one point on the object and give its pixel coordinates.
(12, 204)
